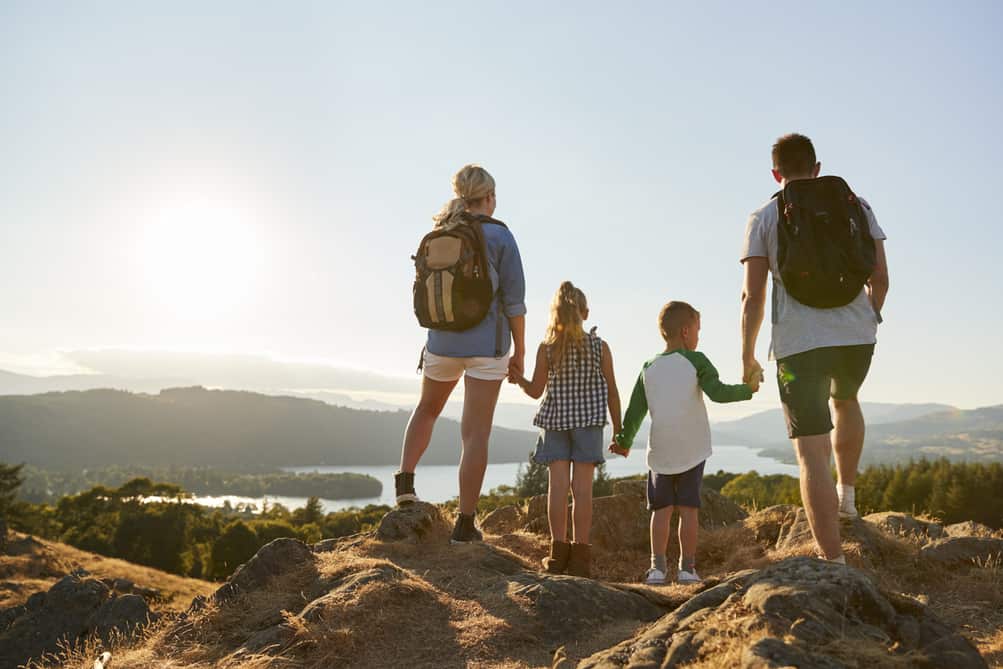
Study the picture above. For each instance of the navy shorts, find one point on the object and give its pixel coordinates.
(807, 381)
(681, 489)
(582, 445)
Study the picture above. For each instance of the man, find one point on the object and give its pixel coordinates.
(820, 353)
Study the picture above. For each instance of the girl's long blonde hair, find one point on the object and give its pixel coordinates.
(565, 330)
(470, 185)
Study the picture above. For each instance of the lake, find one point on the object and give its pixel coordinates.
(438, 483)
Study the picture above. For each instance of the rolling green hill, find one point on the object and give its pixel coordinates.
(218, 428)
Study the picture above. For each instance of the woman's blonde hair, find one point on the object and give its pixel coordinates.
(565, 330)
(470, 185)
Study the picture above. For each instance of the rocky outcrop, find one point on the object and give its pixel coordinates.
(75, 608)
(785, 614)
(273, 559)
(415, 523)
(894, 522)
(970, 528)
(963, 551)
(621, 520)
(503, 520)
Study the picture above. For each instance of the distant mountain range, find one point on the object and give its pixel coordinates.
(218, 428)
(975, 436)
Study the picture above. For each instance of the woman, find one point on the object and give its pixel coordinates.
(479, 354)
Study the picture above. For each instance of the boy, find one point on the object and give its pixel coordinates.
(670, 388)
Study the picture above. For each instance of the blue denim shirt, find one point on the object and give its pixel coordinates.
(510, 296)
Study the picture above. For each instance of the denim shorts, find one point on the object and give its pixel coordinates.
(584, 445)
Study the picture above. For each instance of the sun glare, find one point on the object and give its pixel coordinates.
(200, 257)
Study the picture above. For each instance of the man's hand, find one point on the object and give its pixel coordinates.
(752, 373)
(618, 450)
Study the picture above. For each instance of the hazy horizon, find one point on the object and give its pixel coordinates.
(239, 181)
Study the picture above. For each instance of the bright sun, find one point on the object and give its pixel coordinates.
(200, 257)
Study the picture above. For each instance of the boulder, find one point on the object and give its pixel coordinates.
(959, 551)
(622, 519)
(272, 559)
(415, 523)
(328, 593)
(767, 523)
(73, 609)
(970, 528)
(559, 607)
(503, 520)
(903, 524)
(789, 614)
(121, 614)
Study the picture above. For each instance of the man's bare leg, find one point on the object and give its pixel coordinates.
(818, 493)
(848, 443)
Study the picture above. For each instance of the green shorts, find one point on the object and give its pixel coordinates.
(807, 381)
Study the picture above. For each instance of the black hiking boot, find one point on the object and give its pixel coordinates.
(404, 483)
(465, 531)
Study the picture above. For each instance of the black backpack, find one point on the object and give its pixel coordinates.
(825, 250)
(452, 283)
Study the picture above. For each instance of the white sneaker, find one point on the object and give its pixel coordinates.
(688, 577)
(655, 577)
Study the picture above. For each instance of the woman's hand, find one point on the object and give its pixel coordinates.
(516, 365)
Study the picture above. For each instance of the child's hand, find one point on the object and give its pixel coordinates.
(755, 381)
(618, 450)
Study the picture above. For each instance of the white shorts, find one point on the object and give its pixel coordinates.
(444, 368)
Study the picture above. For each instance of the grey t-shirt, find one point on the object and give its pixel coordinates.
(797, 327)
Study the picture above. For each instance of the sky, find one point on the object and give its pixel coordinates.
(251, 178)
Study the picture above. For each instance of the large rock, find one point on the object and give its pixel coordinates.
(271, 560)
(415, 523)
(621, 520)
(959, 551)
(561, 606)
(503, 520)
(903, 524)
(789, 614)
(73, 609)
(970, 528)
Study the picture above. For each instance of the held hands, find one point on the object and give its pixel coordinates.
(618, 450)
(752, 374)
(515, 368)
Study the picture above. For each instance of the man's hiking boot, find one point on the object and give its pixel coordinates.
(580, 560)
(557, 563)
(404, 483)
(464, 530)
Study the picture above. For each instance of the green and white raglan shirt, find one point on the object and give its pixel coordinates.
(671, 388)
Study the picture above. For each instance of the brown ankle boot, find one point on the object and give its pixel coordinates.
(558, 560)
(579, 564)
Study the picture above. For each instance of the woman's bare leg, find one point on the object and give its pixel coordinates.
(479, 400)
(434, 395)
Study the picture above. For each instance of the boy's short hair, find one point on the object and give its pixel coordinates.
(674, 317)
(793, 155)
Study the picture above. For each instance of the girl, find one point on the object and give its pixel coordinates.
(575, 369)
(483, 355)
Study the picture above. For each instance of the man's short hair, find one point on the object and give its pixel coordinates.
(674, 317)
(793, 156)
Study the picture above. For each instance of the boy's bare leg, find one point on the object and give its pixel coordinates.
(581, 490)
(848, 439)
(688, 526)
(818, 493)
(660, 519)
(557, 499)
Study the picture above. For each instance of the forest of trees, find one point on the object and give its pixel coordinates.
(183, 538)
(48, 486)
(170, 533)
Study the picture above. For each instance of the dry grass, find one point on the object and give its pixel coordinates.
(38, 563)
(441, 611)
